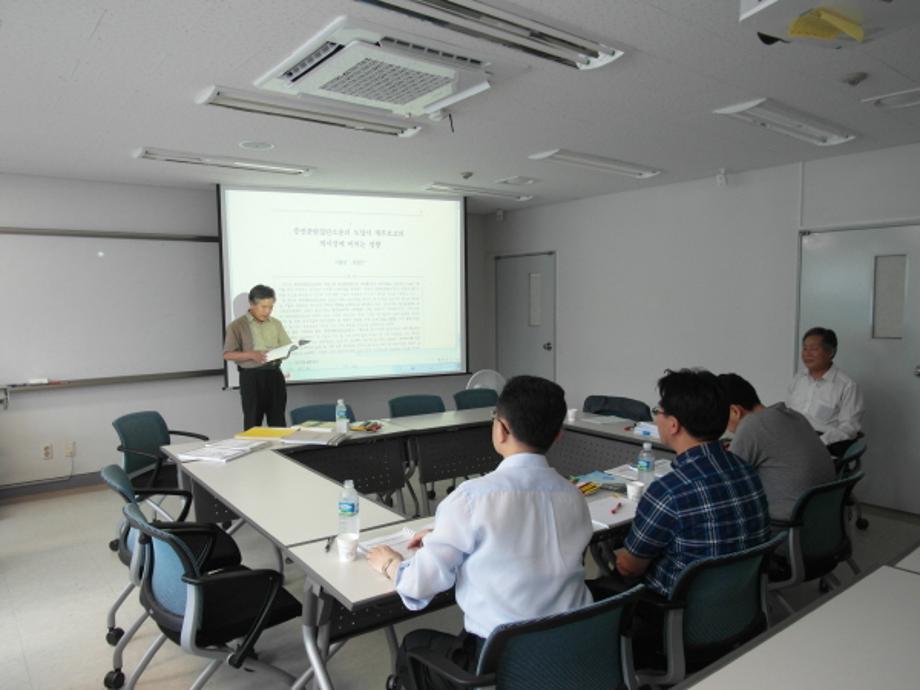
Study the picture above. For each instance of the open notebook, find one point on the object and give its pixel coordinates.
(398, 541)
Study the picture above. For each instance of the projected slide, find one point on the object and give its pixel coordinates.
(375, 283)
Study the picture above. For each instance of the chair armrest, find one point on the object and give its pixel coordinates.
(448, 669)
(272, 580)
(785, 524)
(191, 434)
(138, 451)
(180, 493)
(208, 531)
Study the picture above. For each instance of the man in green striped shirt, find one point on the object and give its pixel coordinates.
(262, 387)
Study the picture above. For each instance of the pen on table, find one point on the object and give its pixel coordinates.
(329, 543)
(616, 507)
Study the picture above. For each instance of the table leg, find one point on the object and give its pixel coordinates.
(313, 632)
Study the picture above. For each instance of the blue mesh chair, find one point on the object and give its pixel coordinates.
(141, 434)
(220, 549)
(818, 540)
(587, 649)
(717, 604)
(323, 412)
(847, 465)
(475, 397)
(408, 405)
(204, 612)
(612, 406)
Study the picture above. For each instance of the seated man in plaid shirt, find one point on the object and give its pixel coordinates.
(711, 504)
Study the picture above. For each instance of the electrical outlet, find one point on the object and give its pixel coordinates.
(48, 451)
(70, 450)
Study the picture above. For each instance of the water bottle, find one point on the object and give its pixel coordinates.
(645, 464)
(341, 417)
(348, 509)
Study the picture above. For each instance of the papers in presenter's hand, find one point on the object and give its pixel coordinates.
(222, 451)
(398, 541)
(283, 351)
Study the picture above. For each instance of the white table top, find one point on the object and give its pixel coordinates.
(446, 420)
(353, 583)
(284, 500)
(612, 427)
(911, 562)
(865, 637)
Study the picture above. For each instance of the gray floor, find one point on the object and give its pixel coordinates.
(58, 578)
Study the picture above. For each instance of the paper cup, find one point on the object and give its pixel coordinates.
(634, 490)
(572, 414)
(348, 546)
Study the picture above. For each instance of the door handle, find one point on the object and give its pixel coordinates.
(549, 346)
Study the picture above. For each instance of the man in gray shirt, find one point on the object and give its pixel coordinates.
(779, 443)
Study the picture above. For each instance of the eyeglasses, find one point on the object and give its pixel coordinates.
(494, 413)
(657, 410)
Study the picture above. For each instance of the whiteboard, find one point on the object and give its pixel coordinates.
(88, 307)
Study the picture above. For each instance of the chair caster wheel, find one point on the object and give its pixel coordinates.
(862, 523)
(113, 545)
(393, 683)
(114, 679)
(431, 494)
(113, 636)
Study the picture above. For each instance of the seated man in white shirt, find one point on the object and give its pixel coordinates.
(830, 400)
(510, 542)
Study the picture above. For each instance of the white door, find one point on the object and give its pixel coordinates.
(860, 283)
(525, 329)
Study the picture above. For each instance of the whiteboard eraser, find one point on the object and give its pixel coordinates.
(36, 382)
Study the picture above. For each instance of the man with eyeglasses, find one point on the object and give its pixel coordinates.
(711, 504)
(511, 542)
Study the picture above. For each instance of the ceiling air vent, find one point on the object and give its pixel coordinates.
(362, 64)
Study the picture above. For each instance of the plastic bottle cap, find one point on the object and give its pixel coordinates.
(340, 401)
(647, 445)
(349, 484)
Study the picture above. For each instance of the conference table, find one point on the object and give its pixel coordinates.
(863, 637)
(294, 508)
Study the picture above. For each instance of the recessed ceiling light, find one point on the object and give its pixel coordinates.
(592, 162)
(898, 99)
(517, 180)
(257, 145)
(782, 119)
(475, 191)
(233, 163)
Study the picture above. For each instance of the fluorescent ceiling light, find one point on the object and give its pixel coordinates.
(153, 154)
(782, 119)
(898, 99)
(280, 107)
(586, 160)
(506, 28)
(475, 191)
(516, 180)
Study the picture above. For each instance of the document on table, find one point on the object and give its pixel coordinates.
(398, 541)
(222, 451)
(315, 437)
(662, 467)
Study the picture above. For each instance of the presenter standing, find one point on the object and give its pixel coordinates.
(262, 388)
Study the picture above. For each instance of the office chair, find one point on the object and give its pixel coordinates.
(817, 541)
(587, 648)
(475, 397)
(847, 465)
(204, 612)
(717, 604)
(223, 553)
(408, 405)
(627, 408)
(323, 412)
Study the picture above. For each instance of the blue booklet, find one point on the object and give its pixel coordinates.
(604, 480)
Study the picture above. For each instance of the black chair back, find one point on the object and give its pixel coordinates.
(612, 406)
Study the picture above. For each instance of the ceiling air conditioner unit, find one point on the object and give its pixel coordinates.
(367, 65)
(828, 23)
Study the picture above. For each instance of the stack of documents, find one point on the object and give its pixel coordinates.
(222, 451)
(318, 436)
